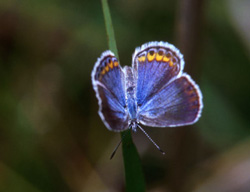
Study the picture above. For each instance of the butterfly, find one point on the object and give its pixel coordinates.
(153, 92)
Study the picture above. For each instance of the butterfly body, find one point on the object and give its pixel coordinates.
(154, 91)
(131, 94)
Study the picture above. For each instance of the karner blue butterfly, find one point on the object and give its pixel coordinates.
(154, 91)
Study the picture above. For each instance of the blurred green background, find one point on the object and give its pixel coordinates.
(51, 137)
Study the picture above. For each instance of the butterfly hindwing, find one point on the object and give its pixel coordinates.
(178, 103)
(108, 82)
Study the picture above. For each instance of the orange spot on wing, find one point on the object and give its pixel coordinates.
(111, 65)
(171, 63)
(166, 59)
(102, 73)
(116, 63)
(159, 56)
(142, 58)
(151, 55)
(107, 68)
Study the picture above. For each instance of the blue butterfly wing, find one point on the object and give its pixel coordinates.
(108, 81)
(155, 64)
(178, 103)
(161, 94)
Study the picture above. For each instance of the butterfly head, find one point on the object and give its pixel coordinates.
(133, 124)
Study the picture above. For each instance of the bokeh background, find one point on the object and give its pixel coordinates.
(51, 137)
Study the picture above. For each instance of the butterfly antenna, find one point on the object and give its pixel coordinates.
(113, 154)
(151, 140)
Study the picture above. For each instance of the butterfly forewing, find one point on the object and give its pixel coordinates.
(156, 63)
(108, 82)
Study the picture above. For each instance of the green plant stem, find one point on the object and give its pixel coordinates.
(133, 169)
(109, 28)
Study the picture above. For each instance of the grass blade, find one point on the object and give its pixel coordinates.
(133, 168)
(109, 28)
